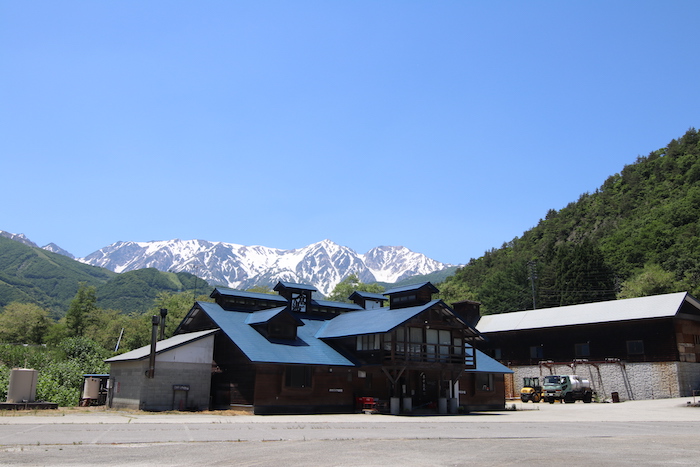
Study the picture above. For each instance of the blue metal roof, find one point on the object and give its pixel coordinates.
(263, 316)
(161, 346)
(244, 294)
(376, 320)
(373, 296)
(486, 364)
(408, 288)
(292, 285)
(339, 305)
(306, 349)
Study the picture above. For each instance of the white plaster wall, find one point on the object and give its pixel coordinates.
(199, 351)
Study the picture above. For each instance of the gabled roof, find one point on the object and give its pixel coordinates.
(368, 295)
(657, 306)
(292, 285)
(162, 346)
(306, 349)
(408, 288)
(377, 320)
(486, 364)
(244, 294)
(263, 316)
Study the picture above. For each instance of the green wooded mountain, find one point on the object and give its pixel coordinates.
(638, 234)
(33, 275)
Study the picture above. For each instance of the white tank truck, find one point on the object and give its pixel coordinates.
(567, 388)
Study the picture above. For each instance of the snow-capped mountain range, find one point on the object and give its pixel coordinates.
(321, 264)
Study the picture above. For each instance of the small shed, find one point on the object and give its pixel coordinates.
(181, 380)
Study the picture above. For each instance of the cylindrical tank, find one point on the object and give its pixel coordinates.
(91, 390)
(578, 383)
(22, 387)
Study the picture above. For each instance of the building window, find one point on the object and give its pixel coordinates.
(497, 354)
(298, 376)
(582, 350)
(536, 352)
(635, 347)
(368, 342)
(484, 382)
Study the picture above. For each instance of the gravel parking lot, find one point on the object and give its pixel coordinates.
(629, 433)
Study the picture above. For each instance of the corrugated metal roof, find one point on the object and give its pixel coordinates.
(658, 306)
(161, 346)
(306, 349)
(486, 364)
(376, 320)
(407, 288)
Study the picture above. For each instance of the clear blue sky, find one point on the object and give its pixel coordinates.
(447, 127)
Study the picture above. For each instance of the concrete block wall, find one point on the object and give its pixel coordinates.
(632, 381)
(131, 389)
(157, 393)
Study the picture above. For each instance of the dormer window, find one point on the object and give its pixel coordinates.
(411, 295)
(281, 330)
(275, 323)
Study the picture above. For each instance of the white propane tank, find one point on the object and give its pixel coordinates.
(578, 383)
(92, 388)
(22, 387)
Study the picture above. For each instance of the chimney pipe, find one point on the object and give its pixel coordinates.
(163, 314)
(154, 337)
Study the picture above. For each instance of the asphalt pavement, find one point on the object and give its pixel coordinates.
(651, 432)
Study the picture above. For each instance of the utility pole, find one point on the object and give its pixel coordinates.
(532, 275)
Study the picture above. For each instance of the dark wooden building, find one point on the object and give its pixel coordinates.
(640, 348)
(295, 354)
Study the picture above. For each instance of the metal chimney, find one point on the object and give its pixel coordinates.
(163, 314)
(155, 320)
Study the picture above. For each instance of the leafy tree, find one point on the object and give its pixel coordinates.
(82, 307)
(23, 323)
(452, 291)
(652, 280)
(60, 368)
(350, 284)
(177, 304)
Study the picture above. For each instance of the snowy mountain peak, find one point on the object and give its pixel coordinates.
(322, 264)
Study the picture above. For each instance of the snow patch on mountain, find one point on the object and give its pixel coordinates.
(322, 264)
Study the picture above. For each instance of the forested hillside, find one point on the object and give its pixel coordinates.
(638, 234)
(33, 275)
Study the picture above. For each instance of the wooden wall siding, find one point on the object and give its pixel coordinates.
(331, 390)
(688, 339)
(233, 380)
(605, 341)
(473, 398)
(422, 297)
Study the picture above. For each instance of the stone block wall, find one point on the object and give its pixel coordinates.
(632, 381)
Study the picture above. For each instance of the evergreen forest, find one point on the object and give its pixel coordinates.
(636, 235)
